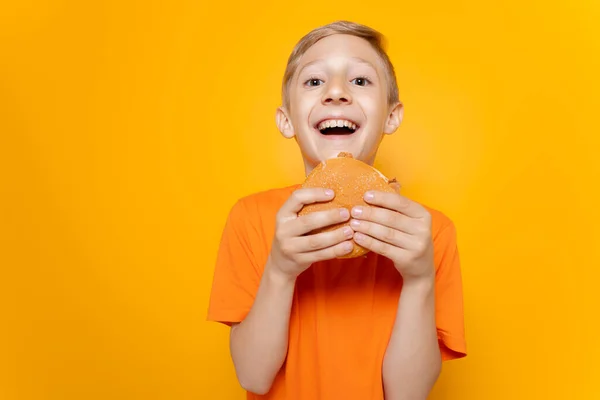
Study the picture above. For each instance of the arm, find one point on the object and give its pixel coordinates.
(259, 343)
(412, 361)
(400, 229)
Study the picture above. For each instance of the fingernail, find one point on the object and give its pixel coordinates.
(359, 237)
(357, 211)
(369, 196)
(328, 192)
(348, 246)
(344, 213)
(355, 223)
(348, 232)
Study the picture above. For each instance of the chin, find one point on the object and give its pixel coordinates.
(318, 149)
(356, 150)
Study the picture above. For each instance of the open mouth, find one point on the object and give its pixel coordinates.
(337, 127)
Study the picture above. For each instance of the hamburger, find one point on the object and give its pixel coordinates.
(350, 179)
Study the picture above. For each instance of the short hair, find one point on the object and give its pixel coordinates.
(375, 39)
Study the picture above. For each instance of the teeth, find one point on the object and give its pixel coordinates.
(340, 123)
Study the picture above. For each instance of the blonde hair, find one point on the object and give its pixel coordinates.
(375, 39)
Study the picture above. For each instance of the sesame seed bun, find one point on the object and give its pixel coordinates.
(350, 179)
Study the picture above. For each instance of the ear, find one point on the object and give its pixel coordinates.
(284, 123)
(394, 119)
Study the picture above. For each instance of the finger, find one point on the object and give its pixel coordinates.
(302, 197)
(396, 202)
(383, 233)
(386, 217)
(377, 246)
(329, 253)
(322, 240)
(316, 220)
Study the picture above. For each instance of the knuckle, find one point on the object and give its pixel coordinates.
(300, 259)
(382, 249)
(279, 217)
(426, 215)
(296, 196)
(299, 195)
(368, 228)
(286, 248)
(279, 235)
(307, 222)
(421, 246)
(390, 220)
(423, 229)
(313, 242)
(389, 235)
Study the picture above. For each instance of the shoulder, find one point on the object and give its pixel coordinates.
(441, 225)
(445, 247)
(270, 198)
(260, 204)
(251, 225)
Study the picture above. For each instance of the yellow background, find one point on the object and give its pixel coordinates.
(128, 129)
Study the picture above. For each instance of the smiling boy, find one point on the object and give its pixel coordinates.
(304, 324)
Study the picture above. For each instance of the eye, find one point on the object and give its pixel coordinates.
(314, 82)
(360, 81)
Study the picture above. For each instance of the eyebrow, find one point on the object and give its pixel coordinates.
(358, 59)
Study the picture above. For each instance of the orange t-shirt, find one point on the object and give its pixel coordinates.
(343, 311)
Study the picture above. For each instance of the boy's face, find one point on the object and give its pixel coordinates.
(338, 101)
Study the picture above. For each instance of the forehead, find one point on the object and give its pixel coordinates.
(341, 47)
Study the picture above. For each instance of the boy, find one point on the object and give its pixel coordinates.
(304, 324)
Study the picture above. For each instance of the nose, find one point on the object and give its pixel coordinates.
(336, 93)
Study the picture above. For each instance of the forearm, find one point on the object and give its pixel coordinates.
(259, 343)
(412, 361)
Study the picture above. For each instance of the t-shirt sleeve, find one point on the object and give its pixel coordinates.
(449, 295)
(237, 275)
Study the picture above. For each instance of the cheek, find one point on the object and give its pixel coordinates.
(299, 118)
(302, 105)
(376, 111)
(301, 112)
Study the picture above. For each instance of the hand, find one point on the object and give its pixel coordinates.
(397, 228)
(294, 248)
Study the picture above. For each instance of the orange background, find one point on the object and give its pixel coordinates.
(128, 129)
